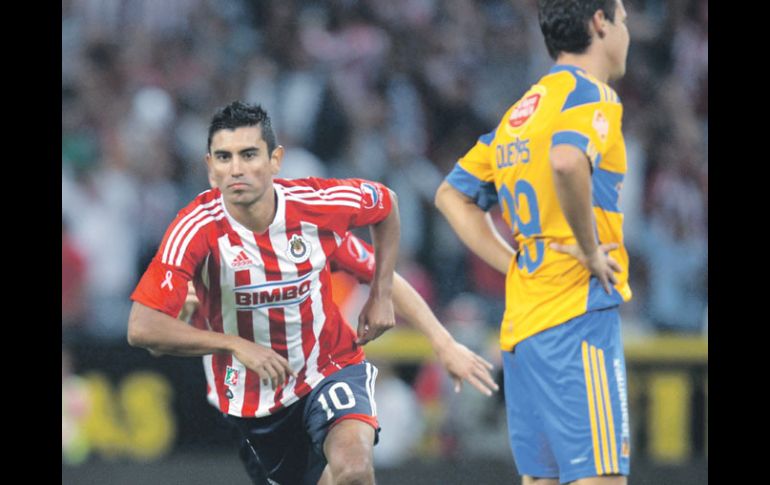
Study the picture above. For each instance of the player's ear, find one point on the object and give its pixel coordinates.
(212, 181)
(599, 23)
(275, 159)
(209, 160)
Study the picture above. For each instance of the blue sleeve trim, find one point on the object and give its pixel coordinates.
(579, 141)
(487, 139)
(574, 138)
(483, 193)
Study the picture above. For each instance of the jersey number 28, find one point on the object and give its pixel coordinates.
(530, 228)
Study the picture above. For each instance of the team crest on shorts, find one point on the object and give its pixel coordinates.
(298, 250)
(625, 449)
(231, 376)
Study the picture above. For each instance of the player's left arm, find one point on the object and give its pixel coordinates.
(378, 316)
(458, 360)
(355, 257)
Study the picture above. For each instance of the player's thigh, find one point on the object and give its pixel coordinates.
(526, 428)
(349, 449)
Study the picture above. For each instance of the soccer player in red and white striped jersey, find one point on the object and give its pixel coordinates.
(257, 251)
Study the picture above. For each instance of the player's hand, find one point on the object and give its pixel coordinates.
(462, 364)
(376, 318)
(600, 264)
(190, 303)
(271, 366)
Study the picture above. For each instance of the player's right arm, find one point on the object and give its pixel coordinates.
(465, 196)
(474, 227)
(163, 334)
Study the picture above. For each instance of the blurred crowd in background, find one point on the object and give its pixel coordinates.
(392, 91)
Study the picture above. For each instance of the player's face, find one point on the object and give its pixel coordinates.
(240, 165)
(618, 40)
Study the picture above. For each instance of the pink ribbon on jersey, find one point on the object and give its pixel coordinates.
(167, 281)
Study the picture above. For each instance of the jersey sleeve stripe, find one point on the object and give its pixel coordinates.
(179, 225)
(179, 238)
(325, 202)
(328, 191)
(183, 248)
(345, 196)
(174, 246)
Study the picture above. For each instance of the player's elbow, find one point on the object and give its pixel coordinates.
(138, 334)
(443, 197)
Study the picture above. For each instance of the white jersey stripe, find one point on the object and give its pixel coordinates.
(329, 191)
(174, 246)
(182, 222)
(323, 202)
(193, 232)
(311, 196)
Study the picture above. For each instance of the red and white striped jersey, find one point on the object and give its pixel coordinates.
(272, 288)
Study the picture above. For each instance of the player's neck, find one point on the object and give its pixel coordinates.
(588, 62)
(258, 215)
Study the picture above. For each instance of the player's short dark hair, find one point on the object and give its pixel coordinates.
(238, 114)
(564, 23)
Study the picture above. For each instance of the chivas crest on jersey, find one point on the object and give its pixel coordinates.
(298, 250)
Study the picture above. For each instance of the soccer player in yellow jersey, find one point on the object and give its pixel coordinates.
(555, 164)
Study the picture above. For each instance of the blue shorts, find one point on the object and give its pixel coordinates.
(566, 400)
(287, 447)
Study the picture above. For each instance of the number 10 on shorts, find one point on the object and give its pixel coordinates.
(340, 400)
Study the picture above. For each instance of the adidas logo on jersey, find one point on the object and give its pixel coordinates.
(242, 260)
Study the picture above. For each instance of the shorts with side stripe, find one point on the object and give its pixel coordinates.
(566, 400)
(286, 448)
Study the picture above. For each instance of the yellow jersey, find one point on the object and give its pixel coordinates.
(511, 165)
